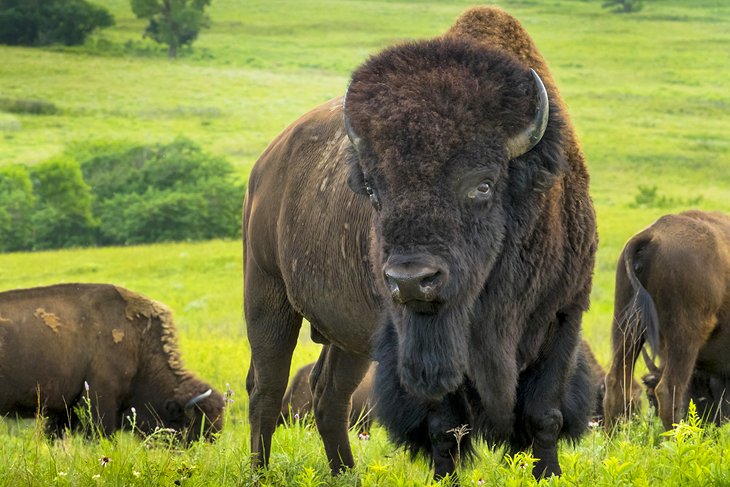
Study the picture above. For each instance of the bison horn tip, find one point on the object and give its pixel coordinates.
(532, 134)
(195, 400)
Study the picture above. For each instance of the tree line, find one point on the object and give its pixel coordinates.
(175, 23)
(120, 196)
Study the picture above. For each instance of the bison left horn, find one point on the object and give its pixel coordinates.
(197, 399)
(530, 136)
(354, 138)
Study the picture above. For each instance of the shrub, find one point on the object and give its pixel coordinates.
(16, 207)
(39, 23)
(63, 214)
(163, 193)
(30, 107)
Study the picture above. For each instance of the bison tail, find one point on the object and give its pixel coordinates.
(640, 316)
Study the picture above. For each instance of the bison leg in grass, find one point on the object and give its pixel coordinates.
(334, 378)
(273, 327)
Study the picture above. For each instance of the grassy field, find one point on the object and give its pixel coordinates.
(649, 94)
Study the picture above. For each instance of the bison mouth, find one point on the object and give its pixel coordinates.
(423, 307)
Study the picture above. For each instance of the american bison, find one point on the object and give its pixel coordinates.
(673, 292)
(444, 202)
(66, 343)
(298, 399)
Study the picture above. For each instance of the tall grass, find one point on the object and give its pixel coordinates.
(649, 94)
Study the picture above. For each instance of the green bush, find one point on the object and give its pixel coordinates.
(30, 107)
(16, 207)
(63, 214)
(43, 22)
(163, 193)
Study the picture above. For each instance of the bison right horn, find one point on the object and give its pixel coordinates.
(197, 399)
(530, 136)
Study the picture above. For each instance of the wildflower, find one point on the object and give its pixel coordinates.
(364, 435)
(86, 386)
(103, 461)
(593, 424)
(480, 482)
(135, 473)
(134, 411)
(296, 415)
(62, 474)
(228, 396)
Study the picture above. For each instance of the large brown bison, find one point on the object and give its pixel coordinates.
(61, 345)
(466, 236)
(673, 292)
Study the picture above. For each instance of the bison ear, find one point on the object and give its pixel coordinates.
(174, 408)
(355, 177)
(543, 180)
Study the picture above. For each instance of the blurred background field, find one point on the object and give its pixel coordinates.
(649, 93)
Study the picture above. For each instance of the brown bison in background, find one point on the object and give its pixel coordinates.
(673, 292)
(467, 237)
(61, 344)
(298, 399)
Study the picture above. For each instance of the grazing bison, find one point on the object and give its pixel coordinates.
(60, 345)
(673, 292)
(599, 380)
(467, 237)
(298, 399)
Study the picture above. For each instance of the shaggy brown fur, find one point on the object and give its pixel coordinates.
(298, 399)
(492, 342)
(673, 291)
(57, 339)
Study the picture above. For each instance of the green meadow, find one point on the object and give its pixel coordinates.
(648, 92)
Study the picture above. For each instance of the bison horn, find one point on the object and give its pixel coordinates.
(197, 399)
(354, 138)
(530, 136)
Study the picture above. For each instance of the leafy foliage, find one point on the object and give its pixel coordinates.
(63, 216)
(16, 203)
(164, 193)
(172, 22)
(43, 22)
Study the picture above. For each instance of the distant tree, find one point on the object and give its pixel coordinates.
(43, 22)
(172, 22)
(624, 6)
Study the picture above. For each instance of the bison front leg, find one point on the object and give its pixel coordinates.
(272, 326)
(333, 380)
(554, 397)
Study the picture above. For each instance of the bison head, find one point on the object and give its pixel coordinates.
(191, 414)
(442, 135)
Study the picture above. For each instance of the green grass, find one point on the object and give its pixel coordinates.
(649, 94)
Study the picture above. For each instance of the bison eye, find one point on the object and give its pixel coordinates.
(481, 192)
(373, 196)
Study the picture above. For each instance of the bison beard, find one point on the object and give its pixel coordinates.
(432, 352)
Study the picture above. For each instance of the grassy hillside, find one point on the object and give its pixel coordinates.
(649, 94)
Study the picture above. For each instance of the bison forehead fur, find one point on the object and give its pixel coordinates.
(115, 347)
